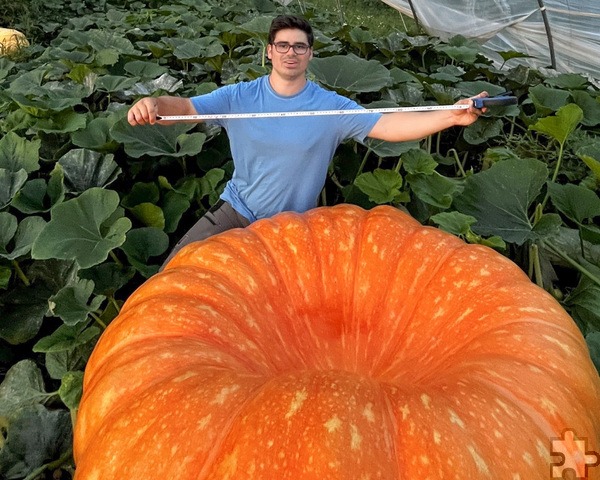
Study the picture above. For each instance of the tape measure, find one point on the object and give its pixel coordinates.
(309, 113)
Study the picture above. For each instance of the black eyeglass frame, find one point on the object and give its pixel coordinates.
(284, 47)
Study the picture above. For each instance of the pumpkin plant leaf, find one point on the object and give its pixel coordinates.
(592, 163)
(575, 201)
(149, 214)
(10, 184)
(85, 229)
(71, 388)
(37, 196)
(382, 186)
(5, 276)
(17, 153)
(84, 169)
(96, 136)
(143, 243)
(593, 342)
(158, 140)
(360, 75)
(71, 302)
(23, 239)
(417, 161)
(483, 130)
(548, 100)
(561, 125)
(67, 338)
(434, 189)
(23, 385)
(585, 299)
(500, 197)
(35, 437)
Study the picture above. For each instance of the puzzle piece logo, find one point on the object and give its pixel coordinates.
(571, 457)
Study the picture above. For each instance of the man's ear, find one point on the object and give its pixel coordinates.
(269, 51)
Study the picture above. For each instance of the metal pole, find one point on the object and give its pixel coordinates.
(548, 32)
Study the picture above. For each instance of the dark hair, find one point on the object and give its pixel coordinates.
(290, 21)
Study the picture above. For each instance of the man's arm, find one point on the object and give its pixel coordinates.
(407, 126)
(145, 110)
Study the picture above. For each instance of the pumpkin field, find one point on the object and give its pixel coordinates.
(90, 206)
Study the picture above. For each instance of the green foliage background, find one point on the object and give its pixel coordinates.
(89, 205)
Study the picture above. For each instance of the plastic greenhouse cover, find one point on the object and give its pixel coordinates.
(568, 41)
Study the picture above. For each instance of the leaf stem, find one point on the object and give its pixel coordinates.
(114, 303)
(98, 320)
(116, 259)
(458, 162)
(20, 273)
(535, 265)
(554, 249)
(51, 465)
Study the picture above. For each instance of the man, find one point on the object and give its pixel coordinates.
(280, 164)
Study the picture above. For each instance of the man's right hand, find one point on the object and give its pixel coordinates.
(143, 112)
(146, 110)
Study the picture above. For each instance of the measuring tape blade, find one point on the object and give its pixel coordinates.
(310, 113)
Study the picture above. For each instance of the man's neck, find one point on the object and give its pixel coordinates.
(285, 87)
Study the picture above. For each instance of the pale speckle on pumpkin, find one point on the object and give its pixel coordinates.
(355, 438)
(223, 394)
(296, 404)
(424, 459)
(479, 461)
(437, 437)
(205, 421)
(455, 419)
(426, 401)
(557, 342)
(368, 412)
(484, 272)
(516, 476)
(185, 376)
(547, 405)
(440, 312)
(333, 424)
(405, 412)
(528, 459)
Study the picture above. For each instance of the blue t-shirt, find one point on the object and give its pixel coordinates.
(280, 164)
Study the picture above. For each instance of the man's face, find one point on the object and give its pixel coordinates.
(290, 64)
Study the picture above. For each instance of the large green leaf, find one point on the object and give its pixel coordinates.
(433, 189)
(10, 184)
(73, 304)
(22, 386)
(143, 243)
(350, 73)
(38, 196)
(576, 202)
(499, 198)
(17, 153)
(382, 186)
(158, 140)
(84, 169)
(37, 436)
(96, 135)
(85, 229)
(561, 125)
(20, 238)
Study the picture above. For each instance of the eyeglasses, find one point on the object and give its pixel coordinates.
(284, 47)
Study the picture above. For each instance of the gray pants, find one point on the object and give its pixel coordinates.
(219, 218)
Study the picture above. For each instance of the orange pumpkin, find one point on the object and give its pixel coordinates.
(336, 344)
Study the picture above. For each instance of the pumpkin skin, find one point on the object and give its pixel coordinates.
(11, 40)
(336, 344)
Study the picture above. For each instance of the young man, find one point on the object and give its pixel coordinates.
(280, 164)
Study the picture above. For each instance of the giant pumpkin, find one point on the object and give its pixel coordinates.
(337, 344)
